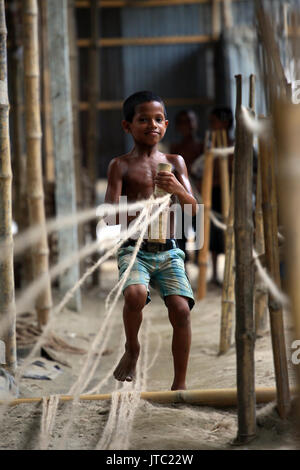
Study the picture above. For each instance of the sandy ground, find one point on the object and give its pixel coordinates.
(153, 426)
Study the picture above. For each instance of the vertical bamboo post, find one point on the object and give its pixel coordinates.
(224, 176)
(35, 192)
(62, 123)
(49, 155)
(270, 215)
(228, 299)
(244, 284)
(261, 293)
(287, 124)
(206, 196)
(7, 291)
(18, 160)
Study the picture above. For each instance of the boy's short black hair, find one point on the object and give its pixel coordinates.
(137, 98)
(224, 114)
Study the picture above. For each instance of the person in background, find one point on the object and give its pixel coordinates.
(189, 147)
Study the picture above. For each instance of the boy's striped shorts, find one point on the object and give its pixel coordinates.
(164, 271)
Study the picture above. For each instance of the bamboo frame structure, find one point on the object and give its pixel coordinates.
(244, 282)
(270, 214)
(206, 197)
(35, 192)
(220, 397)
(7, 291)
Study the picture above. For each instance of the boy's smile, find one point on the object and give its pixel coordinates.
(149, 124)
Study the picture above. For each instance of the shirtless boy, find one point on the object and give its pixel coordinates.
(159, 264)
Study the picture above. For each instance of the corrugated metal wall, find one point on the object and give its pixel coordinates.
(172, 71)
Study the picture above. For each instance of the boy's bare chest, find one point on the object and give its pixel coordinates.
(139, 178)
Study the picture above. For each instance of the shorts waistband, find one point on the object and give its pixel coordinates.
(153, 247)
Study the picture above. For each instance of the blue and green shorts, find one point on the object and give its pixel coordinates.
(164, 271)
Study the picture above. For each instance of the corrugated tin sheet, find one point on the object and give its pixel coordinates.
(172, 71)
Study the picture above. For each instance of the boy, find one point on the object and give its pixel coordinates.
(162, 264)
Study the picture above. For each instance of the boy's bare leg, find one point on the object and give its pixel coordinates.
(135, 299)
(179, 315)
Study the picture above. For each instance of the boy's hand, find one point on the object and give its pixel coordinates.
(168, 182)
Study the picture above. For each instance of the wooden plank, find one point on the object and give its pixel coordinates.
(117, 104)
(149, 41)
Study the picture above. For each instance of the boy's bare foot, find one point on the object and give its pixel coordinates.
(178, 386)
(125, 370)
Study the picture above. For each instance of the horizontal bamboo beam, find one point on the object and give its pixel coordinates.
(117, 104)
(139, 3)
(149, 41)
(210, 397)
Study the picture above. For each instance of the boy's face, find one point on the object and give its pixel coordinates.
(148, 125)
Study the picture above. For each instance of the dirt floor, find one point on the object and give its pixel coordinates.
(152, 426)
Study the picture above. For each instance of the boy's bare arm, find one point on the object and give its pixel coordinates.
(114, 187)
(178, 185)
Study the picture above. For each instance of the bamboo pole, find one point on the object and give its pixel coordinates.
(261, 293)
(220, 397)
(206, 196)
(49, 153)
(7, 291)
(244, 283)
(224, 176)
(18, 156)
(35, 192)
(228, 298)
(270, 214)
(149, 41)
